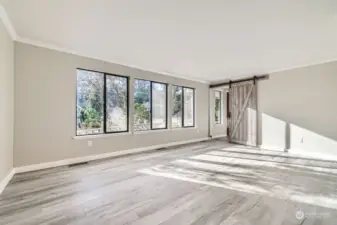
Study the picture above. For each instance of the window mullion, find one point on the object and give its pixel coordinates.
(166, 110)
(151, 99)
(220, 114)
(104, 103)
(193, 107)
(183, 107)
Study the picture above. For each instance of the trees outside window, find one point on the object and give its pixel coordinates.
(182, 107)
(188, 94)
(159, 106)
(142, 97)
(116, 104)
(217, 97)
(102, 103)
(177, 106)
(90, 102)
(150, 105)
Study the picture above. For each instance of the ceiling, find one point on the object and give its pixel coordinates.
(207, 40)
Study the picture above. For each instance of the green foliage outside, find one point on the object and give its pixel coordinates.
(141, 113)
(90, 117)
(217, 109)
(90, 103)
(89, 100)
(141, 100)
(177, 100)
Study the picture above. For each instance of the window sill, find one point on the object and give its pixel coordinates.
(184, 128)
(101, 135)
(129, 133)
(150, 131)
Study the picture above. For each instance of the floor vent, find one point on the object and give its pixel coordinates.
(78, 164)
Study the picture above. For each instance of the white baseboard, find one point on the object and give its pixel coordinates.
(6, 180)
(219, 136)
(313, 155)
(70, 161)
(272, 148)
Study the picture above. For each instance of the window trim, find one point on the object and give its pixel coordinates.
(104, 103)
(183, 107)
(220, 95)
(151, 114)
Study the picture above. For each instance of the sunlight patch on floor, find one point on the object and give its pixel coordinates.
(251, 175)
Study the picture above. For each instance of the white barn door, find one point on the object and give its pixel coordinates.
(243, 115)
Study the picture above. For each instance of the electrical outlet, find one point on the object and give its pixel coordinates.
(89, 143)
(302, 140)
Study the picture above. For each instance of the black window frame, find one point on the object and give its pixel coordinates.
(151, 114)
(183, 106)
(220, 95)
(104, 103)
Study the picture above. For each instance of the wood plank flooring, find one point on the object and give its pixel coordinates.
(211, 182)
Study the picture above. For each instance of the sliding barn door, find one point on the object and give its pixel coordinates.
(243, 115)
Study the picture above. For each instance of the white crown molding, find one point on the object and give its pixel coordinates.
(303, 66)
(11, 30)
(64, 50)
(317, 63)
(7, 23)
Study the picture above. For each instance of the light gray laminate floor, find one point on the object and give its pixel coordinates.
(204, 183)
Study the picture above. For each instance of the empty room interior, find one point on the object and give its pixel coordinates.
(217, 112)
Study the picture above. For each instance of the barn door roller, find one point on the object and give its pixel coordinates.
(229, 83)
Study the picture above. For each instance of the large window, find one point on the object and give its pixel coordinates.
(150, 105)
(159, 105)
(116, 103)
(102, 103)
(142, 98)
(217, 98)
(177, 106)
(182, 107)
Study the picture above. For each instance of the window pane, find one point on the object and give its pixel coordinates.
(177, 106)
(116, 104)
(158, 105)
(217, 106)
(188, 107)
(89, 107)
(142, 105)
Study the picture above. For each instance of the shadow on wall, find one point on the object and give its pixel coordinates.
(276, 134)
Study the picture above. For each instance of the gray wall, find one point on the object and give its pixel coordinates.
(6, 101)
(45, 115)
(299, 110)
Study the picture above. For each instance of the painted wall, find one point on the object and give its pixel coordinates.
(6, 101)
(299, 110)
(218, 129)
(45, 100)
